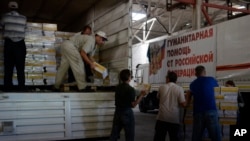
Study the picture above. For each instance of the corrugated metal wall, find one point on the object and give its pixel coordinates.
(114, 18)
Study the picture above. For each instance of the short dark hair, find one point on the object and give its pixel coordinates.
(230, 82)
(199, 70)
(125, 75)
(86, 27)
(172, 76)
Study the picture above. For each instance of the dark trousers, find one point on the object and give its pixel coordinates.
(14, 56)
(162, 128)
(123, 119)
(88, 72)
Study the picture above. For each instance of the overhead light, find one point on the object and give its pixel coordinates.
(239, 6)
(137, 16)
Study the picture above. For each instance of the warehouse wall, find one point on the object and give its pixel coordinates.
(113, 17)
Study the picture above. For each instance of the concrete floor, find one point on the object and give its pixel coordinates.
(145, 123)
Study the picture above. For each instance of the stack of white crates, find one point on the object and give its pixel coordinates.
(228, 108)
(40, 57)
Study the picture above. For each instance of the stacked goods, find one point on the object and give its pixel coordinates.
(43, 54)
(228, 105)
(40, 58)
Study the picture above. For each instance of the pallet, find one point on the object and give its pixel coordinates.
(67, 87)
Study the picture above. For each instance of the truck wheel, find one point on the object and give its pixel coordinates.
(142, 106)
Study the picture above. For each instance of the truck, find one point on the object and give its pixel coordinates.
(46, 115)
(221, 48)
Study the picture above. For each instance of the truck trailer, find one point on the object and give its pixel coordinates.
(221, 48)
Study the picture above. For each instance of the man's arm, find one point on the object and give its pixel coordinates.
(143, 93)
(188, 97)
(87, 59)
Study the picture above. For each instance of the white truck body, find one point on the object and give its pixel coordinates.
(63, 116)
(222, 49)
(55, 116)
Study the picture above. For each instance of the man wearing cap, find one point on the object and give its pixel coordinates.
(14, 25)
(71, 57)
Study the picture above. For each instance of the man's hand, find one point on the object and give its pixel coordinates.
(143, 93)
(92, 65)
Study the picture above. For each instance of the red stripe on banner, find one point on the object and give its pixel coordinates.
(233, 67)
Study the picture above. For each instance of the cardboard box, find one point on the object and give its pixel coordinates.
(100, 71)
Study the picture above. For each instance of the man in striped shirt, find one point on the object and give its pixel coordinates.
(14, 25)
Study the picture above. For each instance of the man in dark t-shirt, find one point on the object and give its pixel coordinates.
(124, 102)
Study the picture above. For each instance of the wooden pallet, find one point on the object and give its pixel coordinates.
(67, 87)
(73, 86)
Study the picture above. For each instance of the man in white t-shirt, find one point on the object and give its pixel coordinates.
(71, 57)
(171, 98)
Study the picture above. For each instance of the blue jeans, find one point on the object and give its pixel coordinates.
(208, 120)
(123, 118)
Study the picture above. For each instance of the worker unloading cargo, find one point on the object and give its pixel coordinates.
(87, 30)
(72, 58)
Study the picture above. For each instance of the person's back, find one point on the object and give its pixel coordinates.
(203, 94)
(124, 102)
(205, 114)
(171, 97)
(125, 94)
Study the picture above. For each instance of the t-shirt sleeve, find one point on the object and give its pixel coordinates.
(181, 95)
(215, 82)
(88, 45)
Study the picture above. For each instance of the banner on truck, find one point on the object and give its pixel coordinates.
(183, 53)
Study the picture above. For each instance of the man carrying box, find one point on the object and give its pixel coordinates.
(72, 58)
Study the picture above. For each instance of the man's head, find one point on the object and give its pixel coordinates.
(87, 30)
(171, 77)
(100, 37)
(200, 71)
(125, 75)
(230, 83)
(13, 5)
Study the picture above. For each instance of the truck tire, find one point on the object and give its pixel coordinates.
(142, 106)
